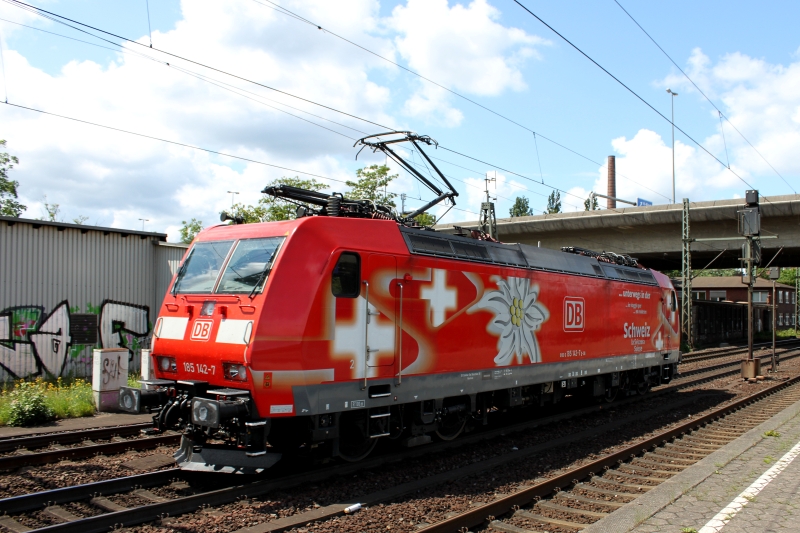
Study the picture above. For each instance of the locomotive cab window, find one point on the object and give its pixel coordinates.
(200, 271)
(346, 276)
(249, 265)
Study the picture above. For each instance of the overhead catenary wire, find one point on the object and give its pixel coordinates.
(287, 12)
(149, 29)
(721, 114)
(634, 93)
(58, 18)
(213, 81)
(239, 90)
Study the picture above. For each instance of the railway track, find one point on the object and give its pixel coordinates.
(581, 496)
(18, 450)
(187, 493)
(716, 353)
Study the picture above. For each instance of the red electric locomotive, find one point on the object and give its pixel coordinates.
(349, 325)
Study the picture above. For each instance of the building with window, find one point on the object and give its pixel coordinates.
(731, 289)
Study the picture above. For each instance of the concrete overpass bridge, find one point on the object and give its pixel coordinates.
(653, 233)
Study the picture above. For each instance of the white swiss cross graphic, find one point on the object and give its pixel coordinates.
(349, 341)
(441, 298)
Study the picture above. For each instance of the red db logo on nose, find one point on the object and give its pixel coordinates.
(201, 330)
(574, 315)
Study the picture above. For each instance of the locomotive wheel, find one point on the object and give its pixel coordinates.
(451, 426)
(611, 394)
(354, 441)
(643, 387)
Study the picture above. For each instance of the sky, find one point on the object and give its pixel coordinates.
(243, 78)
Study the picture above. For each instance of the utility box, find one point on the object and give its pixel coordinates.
(148, 371)
(109, 373)
(751, 198)
(774, 273)
(749, 221)
(751, 368)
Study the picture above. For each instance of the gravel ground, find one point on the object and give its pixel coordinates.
(430, 505)
(67, 473)
(438, 502)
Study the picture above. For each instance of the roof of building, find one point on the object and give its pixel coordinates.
(732, 282)
(84, 228)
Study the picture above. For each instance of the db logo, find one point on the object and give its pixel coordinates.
(574, 315)
(201, 331)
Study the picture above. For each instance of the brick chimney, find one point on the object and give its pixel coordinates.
(612, 182)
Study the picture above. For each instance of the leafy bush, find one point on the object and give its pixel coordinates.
(27, 405)
(70, 401)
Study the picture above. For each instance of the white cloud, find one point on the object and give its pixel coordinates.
(115, 179)
(762, 100)
(461, 47)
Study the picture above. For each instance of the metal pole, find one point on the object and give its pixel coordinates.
(773, 325)
(796, 284)
(672, 102)
(750, 299)
(672, 99)
(686, 276)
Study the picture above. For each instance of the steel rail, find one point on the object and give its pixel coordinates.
(732, 363)
(479, 516)
(16, 461)
(33, 440)
(38, 500)
(732, 350)
(151, 512)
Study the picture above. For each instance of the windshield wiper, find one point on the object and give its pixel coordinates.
(179, 277)
(266, 271)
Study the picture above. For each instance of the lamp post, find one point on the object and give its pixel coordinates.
(143, 221)
(672, 99)
(232, 193)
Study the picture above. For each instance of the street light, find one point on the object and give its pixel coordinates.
(232, 193)
(672, 99)
(143, 221)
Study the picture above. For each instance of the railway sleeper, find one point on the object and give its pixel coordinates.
(546, 520)
(548, 504)
(571, 497)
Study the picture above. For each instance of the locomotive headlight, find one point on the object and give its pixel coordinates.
(234, 371)
(167, 364)
(205, 412)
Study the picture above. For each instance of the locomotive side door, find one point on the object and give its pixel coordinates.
(381, 316)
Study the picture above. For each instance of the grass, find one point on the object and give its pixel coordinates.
(56, 399)
(771, 433)
(769, 459)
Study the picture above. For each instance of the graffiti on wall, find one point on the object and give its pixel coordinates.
(34, 342)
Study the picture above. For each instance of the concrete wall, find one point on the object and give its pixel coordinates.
(67, 288)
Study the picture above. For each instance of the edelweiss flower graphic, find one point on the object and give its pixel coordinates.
(518, 315)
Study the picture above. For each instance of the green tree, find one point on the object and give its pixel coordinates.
(80, 219)
(270, 208)
(425, 219)
(553, 203)
(521, 207)
(371, 185)
(9, 206)
(590, 203)
(52, 211)
(190, 229)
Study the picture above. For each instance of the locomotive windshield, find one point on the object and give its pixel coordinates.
(245, 271)
(248, 267)
(201, 269)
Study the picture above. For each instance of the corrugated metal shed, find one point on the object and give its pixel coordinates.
(65, 288)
